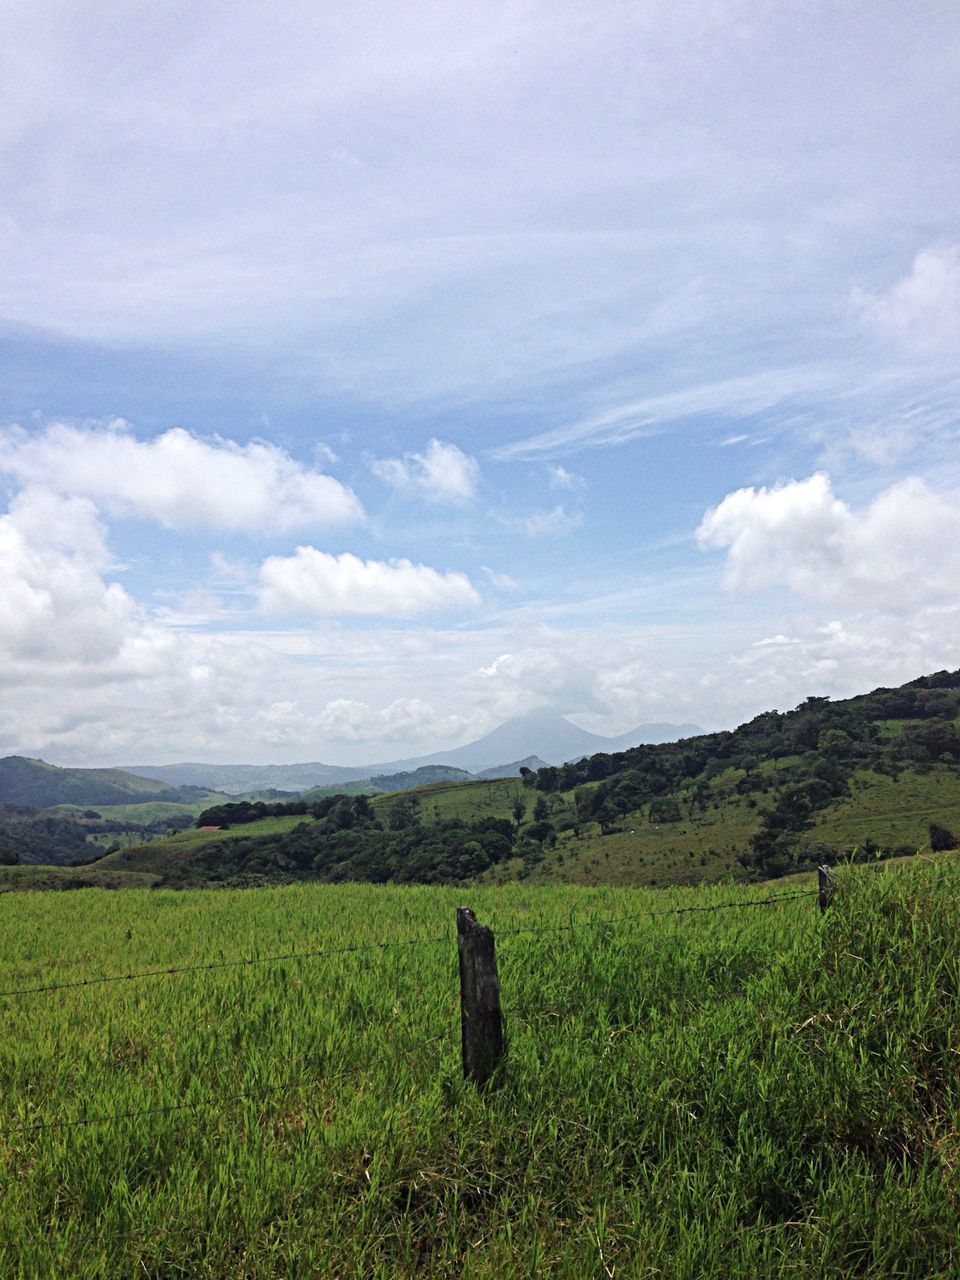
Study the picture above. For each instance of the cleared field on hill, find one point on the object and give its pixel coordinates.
(146, 811)
(892, 811)
(741, 1092)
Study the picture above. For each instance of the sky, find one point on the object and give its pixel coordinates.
(372, 374)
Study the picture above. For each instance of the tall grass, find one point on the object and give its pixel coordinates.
(758, 1092)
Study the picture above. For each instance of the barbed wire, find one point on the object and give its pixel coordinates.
(221, 964)
(598, 921)
(350, 948)
(214, 1100)
(316, 1077)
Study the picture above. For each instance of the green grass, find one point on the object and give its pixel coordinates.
(142, 812)
(758, 1092)
(491, 797)
(892, 811)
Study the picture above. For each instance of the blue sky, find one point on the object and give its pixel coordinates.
(371, 375)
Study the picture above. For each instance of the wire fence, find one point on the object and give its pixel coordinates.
(351, 948)
(316, 1077)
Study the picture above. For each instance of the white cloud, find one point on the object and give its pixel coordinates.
(635, 419)
(502, 581)
(545, 524)
(550, 674)
(58, 613)
(347, 720)
(177, 478)
(840, 658)
(900, 551)
(923, 309)
(561, 478)
(442, 473)
(315, 582)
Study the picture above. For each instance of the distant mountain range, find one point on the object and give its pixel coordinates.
(552, 739)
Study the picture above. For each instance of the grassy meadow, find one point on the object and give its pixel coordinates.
(750, 1092)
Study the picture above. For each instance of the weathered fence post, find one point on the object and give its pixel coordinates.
(823, 879)
(481, 1024)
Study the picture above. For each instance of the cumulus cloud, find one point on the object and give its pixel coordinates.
(442, 473)
(316, 582)
(554, 674)
(58, 612)
(923, 309)
(901, 551)
(838, 658)
(177, 478)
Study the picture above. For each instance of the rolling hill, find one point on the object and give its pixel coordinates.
(777, 795)
(40, 785)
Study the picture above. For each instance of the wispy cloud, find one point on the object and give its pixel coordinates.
(731, 398)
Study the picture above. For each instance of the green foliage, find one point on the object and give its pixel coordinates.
(31, 837)
(941, 837)
(755, 1092)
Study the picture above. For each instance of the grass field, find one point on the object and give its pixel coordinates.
(142, 812)
(751, 1092)
(891, 813)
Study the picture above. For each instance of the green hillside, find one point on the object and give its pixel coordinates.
(40, 785)
(193, 856)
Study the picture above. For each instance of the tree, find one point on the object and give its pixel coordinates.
(519, 810)
(405, 814)
(543, 833)
(541, 810)
(941, 838)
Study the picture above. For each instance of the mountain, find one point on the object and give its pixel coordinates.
(426, 776)
(238, 779)
(513, 769)
(552, 738)
(40, 785)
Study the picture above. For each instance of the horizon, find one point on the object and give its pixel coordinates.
(372, 764)
(398, 373)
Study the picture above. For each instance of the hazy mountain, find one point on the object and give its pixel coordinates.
(552, 738)
(511, 770)
(237, 779)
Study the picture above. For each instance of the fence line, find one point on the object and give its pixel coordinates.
(593, 922)
(220, 964)
(314, 1077)
(597, 921)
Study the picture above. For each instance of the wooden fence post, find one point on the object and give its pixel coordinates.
(481, 1024)
(823, 881)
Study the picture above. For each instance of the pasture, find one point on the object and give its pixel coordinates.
(755, 1090)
